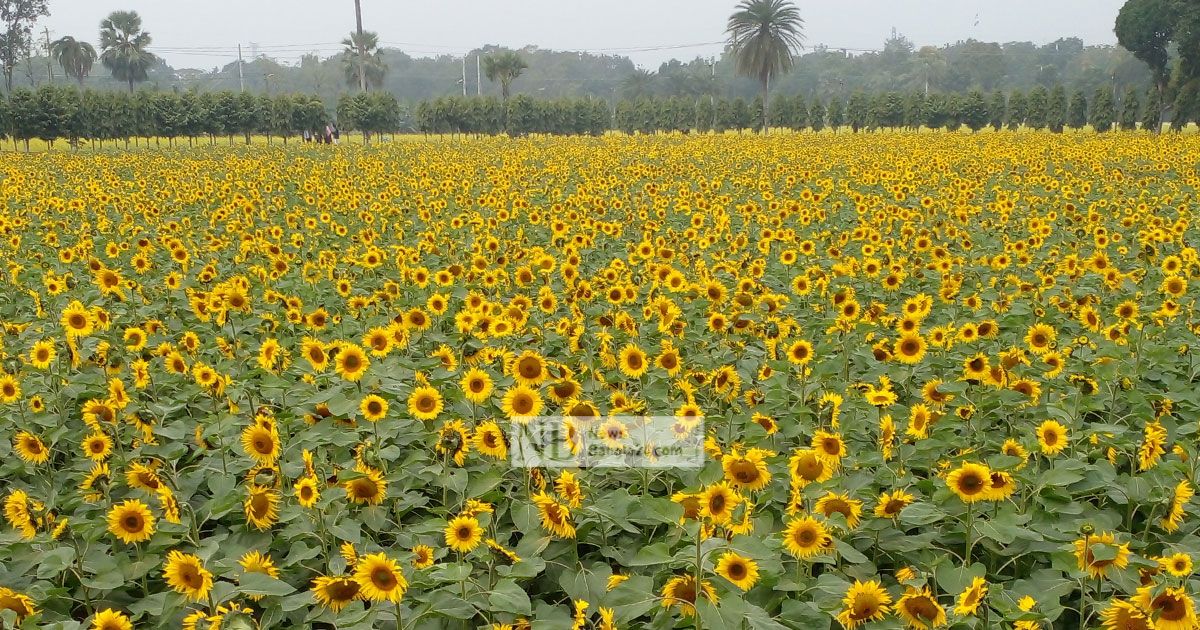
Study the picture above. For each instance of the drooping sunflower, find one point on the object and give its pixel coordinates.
(19, 603)
(1179, 499)
(742, 572)
(1086, 547)
(971, 482)
(1002, 486)
(261, 507)
(335, 592)
(185, 573)
(555, 516)
(380, 578)
(131, 521)
(920, 610)
(454, 441)
(109, 619)
(1122, 614)
(805, 537)
(681, 592)
(463, 533)
(971, 597)
(864, 602)
(833, 503)
(425, 403)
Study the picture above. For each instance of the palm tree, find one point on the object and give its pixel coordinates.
(372, 59)
(75, 57)
(639, 84)
(763, 36)
(124, 43)
(504, 67)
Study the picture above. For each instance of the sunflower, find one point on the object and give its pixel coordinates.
(109, 619)
(833, 503)
(909, 349)
(680, 592)
(568, 488)
(1086, 547)
(422, 557)
(808, 466)
(1040, 338)
(131, 521)
(748, 471)
(77, 320)
(1171, 608)
(805, 537)
(1177, 564)
(633, 361)
(20, 604)
(971, 482)
(463, 534)
(1052, 437)
(261, 443)
(351, 362)
(830, 447)
(491, 441)
(373, 408)
(529, 369)
(454, 441)
(1002, 486)
(380, 578)
(476, 386)
(185, 574)
(42, 354)
(425, 403)
(864, 602)
(314, 351)
(740, 571)
(892, 503)
(10, 389)
(1125, 615)
(335, 592)
(555, 516)
(920, 609)
(367, 487)
(306, 491)
(971, 597)
(30, 448)
(718, 501)
(800, 352)
(521, 403)
(1179, 499)
(261, 507)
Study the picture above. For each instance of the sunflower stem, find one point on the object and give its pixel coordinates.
(970, 523)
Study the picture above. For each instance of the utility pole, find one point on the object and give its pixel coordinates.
(478, 76)
(362, 49)
(241, 76)
(49, 61)
(464, 76)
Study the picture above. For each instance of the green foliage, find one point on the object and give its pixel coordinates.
(1152, 115)
(1018, 109)
(1077, 111)
(858, 112)
(1129, 109)
(124, 47)
(974, 111)
(997, 110)
(1056, 110)
(1104, 110)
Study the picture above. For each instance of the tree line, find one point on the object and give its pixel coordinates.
(54, 113)
(59, 113)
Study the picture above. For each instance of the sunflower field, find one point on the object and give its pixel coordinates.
(942, 380)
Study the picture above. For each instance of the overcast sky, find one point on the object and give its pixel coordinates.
(205, 33)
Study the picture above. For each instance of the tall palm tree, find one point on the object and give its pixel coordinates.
(372, 66)
(504, 67)
(763, 37)
(639, 84)
(75, 57)
(123, 44)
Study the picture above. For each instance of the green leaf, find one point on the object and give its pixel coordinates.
(508, 597)
(261, 584)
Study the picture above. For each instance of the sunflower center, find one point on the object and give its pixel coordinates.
(132, 523)
(383, 579)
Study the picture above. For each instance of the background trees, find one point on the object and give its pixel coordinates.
(16, 20)
(124, 43)
(364, 45)
(76, 57)
(504, 68)
(763, 37)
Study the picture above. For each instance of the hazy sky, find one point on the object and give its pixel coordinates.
(205, 33)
